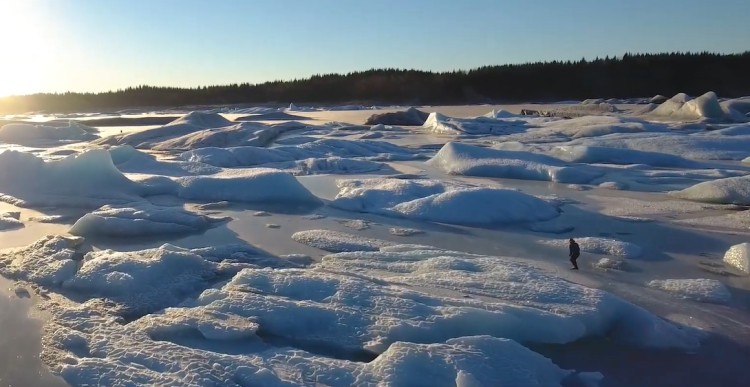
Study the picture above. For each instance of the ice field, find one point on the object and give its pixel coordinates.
(378, 246)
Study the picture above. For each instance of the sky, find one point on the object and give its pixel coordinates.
(92, 45)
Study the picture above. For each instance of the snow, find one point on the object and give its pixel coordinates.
(597, 245)
(461, 159)
(88, 179)
(48, 261)
(335, 241)
(738, 257)
(703, 290)
(140, 219)
(257, 185)
(732, 190)
(31, 135)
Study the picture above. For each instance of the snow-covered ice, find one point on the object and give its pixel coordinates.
(606, 246)
(738, 256)
(702, 289)
(41, 135)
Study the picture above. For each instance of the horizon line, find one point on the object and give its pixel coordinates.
(308, 77)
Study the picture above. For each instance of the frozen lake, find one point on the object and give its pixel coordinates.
(264, 246)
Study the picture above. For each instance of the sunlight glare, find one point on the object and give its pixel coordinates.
(22, 47)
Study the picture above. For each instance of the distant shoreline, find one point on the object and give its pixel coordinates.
(631, 75)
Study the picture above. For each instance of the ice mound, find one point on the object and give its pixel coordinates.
(189, 123)
(137, 281)
(145, 280)
(250, 186)
(593, 154)
(595, 245)
(731, 190)
(738, 256)
(86, 180)
(10, 220)
(740, 105)
(440, 124)
(408, 117)
(322, 148)
(703, 290)
(681, 106)
(140, 219)
(610, 264)
(243, 134)
(130, 160)
(461, 159)
(335, 241)
(31, 135)
(595, 126)
(328, 165)
(462, 362)
(435, 201)
(478, 206)
(48, 261)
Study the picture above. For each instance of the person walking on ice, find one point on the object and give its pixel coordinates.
(575, 251)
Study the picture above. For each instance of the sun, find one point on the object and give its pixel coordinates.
(24, 61)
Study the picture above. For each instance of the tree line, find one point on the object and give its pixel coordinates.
(630, 75)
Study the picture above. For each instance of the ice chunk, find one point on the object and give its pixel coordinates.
(401, 231)
(410, 117)
(461, 159)
(211, 325)
(595, 245)
(683, 107)
(89, 179)
(610, 264)
(250, 186)
(591, 154)
(41, 135)
(243, 134)
(335, 241)
(704, 290)
(130, 160)
(738, 256)
(374, 195)
(10, 220)
(48, 261)
(731, 190)
(140, 219)
(440, 124)
(478, 206)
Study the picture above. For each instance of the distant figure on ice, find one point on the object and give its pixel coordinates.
(575, 251)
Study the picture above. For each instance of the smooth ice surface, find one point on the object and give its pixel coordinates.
(606, 246)
(702, 289)
(28, 134)
(738, 256)
(140, 219)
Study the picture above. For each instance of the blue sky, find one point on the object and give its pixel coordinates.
(91, 45)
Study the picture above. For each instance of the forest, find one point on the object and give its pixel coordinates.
(629, 75)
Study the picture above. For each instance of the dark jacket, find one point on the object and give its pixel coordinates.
(575, 250)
